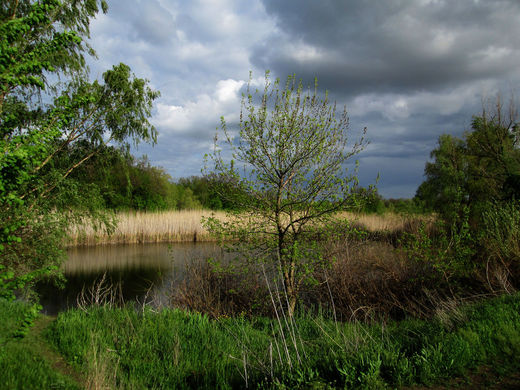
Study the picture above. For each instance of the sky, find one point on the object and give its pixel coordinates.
(407, 70)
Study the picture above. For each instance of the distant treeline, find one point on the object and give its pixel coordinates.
(116, 180)
(368, 200)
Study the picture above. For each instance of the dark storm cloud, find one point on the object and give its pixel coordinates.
(407, 70)
(155, 24)
(398, 176)
(360, 46)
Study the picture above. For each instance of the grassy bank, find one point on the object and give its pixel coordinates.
(185, 225)
(26, 361)
(175, 349)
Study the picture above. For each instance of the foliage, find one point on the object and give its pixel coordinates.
(482, 166)
(176, 349)
(292, 149)
(123, 182)
(444, 187)
(39, 39)
(472, 183)
(22, 361)
(366, 200)
(449, 251)
(10, 283)
(213, 192)
(42, 41)
(404, 206)
(500, 238)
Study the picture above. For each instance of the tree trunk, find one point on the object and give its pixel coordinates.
(292, 298)
(291, 291)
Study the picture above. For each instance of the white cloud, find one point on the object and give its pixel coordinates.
(228, 90)
(408, 70)
(391, 106)
(200, 117)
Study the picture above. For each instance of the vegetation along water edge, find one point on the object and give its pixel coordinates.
(186, 225)
(330, 285)
(139, 347)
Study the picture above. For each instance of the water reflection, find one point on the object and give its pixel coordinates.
(139, 269)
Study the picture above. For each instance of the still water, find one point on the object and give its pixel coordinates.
(141, 270)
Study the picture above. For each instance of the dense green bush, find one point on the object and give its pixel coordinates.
(472, 184)
(500, 238)
(119, 181)
(482, 166)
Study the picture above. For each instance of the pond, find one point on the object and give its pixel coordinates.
(137, 270)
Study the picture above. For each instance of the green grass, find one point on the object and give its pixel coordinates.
(23, 362)
(130, 348)
(169, 349)
(174, 349)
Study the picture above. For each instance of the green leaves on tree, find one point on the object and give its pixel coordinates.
(288, 168)
(40, 42)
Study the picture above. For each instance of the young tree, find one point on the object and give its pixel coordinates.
(291, 147)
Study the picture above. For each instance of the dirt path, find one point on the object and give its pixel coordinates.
(35, 336)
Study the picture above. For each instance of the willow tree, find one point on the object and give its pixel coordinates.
(289, 170)
(41, 43)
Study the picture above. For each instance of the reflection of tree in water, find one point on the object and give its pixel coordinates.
(135, 268)
(130, 284)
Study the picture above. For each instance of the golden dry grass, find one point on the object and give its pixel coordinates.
(185, 225)
(389, 222)
(142, 227)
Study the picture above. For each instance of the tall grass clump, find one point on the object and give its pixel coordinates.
(168, 349)
(177, 349)
(389, 221)
(501, 244)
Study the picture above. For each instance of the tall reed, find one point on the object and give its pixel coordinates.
(185, 225)
(143, 227)
(389, 222)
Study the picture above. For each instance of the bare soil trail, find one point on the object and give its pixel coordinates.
(36, 338)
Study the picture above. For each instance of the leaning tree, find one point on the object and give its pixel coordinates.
(47, 105)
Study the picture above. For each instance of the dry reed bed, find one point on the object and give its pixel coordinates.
(185, 225)
(142, 227)
(388, 222)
